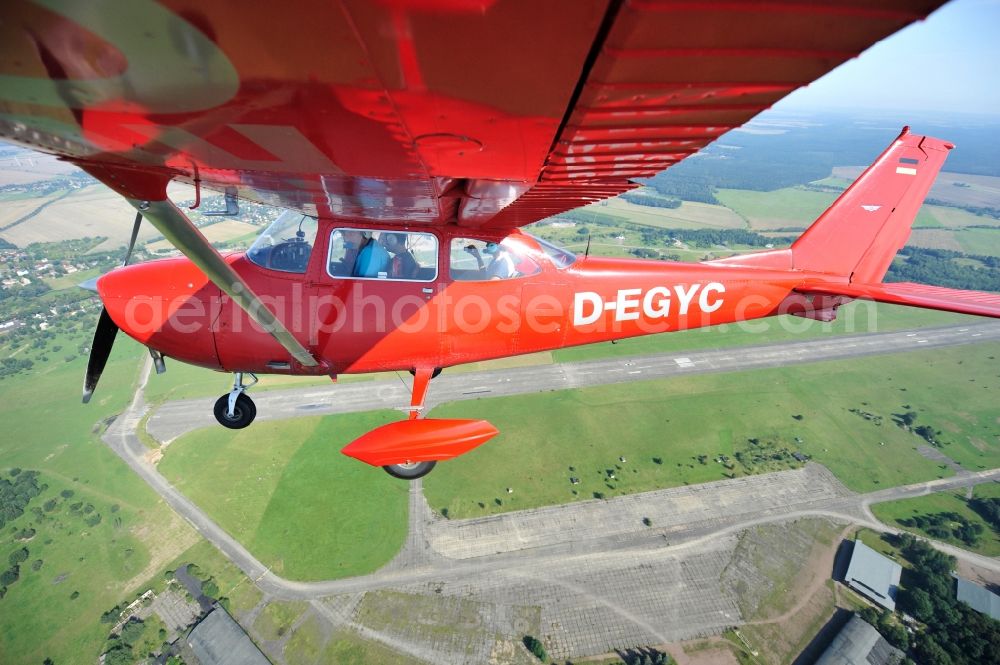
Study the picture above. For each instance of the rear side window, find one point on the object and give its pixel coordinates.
(407, 256)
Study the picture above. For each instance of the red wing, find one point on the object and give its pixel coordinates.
(489, 113)
(980, 303)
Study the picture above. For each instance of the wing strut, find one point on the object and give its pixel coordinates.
(185, 236)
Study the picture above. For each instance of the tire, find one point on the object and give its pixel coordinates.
(410, 471)
(244, 411)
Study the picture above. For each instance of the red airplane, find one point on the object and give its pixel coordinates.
(409, 140)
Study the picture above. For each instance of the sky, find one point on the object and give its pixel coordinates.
(948, 63)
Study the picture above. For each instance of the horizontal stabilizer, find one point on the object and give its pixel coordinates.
(980, 303)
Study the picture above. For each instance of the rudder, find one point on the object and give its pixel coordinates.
(859, 235)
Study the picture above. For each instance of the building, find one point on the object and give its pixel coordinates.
(858, 643)
(978, 598)
(219, 640)
(873, 576)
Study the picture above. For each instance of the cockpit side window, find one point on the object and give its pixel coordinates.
(387, 255)
(287, 244)
(475, 260)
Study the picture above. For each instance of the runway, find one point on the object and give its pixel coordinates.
(177, 418)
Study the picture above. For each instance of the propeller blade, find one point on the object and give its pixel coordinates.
(131, 242)
(104, 339)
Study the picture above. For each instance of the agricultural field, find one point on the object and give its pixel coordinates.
(789, 208)
(689, 215)
(958, 189)
(285, 491)
(90, 211)
(945, 502)
(542, 442)
(28, 167)
(222, 231)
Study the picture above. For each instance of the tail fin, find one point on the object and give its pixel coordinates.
(858, 236)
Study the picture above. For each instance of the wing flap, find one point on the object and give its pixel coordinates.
(980, 303)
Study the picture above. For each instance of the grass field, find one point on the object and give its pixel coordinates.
(795, 207)
(935, 239)
(46, 428)
(958, 218)
(989, 541)
(677, 420)
(979, 241)
(790, 207)
(285, 491)
(347, 648)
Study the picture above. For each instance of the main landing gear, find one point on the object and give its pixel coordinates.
(409, 470)
(235, 409)
(412, 470)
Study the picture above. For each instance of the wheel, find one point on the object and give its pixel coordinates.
(409, 470)
(244, 411)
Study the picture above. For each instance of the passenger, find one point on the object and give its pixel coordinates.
(372, 259)
(352, 245)
(501, 264)
(403, 265)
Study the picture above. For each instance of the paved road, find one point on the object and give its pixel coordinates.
(601, 577)
(177, 418)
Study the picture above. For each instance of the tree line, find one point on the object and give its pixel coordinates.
(938, 267)
(953, 633)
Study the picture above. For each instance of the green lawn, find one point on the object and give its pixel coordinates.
(47, 428)
(285, 491)
(941, 502)
(677, 419)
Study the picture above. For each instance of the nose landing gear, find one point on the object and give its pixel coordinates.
(236, 410)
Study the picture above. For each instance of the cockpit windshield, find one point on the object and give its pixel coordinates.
(287, 244)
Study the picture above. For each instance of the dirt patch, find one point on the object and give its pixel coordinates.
(165, 543)
(981, 576)
(715, 651)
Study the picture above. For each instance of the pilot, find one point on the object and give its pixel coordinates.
(501, 262)
(403, 265)
(369, 259)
